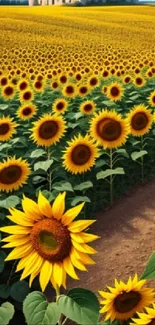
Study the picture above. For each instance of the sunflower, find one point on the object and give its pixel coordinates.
(151, 99)
(63, 78)
(139, 81)
(123, 301)
(48, 130)
(114, 91)
(145, 319)
(55, 85)
(38, 86)
(7, 128)
(8, 91)
(109, 129)
(25, 112)
(26, 95)
(48, 241)
(93, 81)
(104, 90)
(69, 90)
(60, 105)
(127, 79)
(3, 81)
(80, 155)
(22, 85)
(140, 120)
(87, 107)
(83, 90)
(13, 174)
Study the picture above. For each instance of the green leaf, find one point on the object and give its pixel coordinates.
(19, 290)
(44, 165)
(38, 311)
(4, 291)
(37, 153)
(5, 146)
(10, 202)
(63, 186)
(2, 262)
(138, 154)
(109, 172)
(134, 97)
(78, 115)
(3, 107)
(122, 152)
(79, 199)
(49, 196)
(6, 313)
(149, 272)
(83, 186)
(81, 306)
(100, 163)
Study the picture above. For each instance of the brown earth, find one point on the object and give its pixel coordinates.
(127, 240)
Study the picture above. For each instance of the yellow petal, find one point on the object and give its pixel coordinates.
(69, 268)
(31, 209)
(71, 214)
(32, 266)
(77, 263)
(13, 238)
(86, 259)
(16, 230)
(27, 259)
(19, 252)
(84, 248)
(20, 218)
(58, 206)
(32, 277)
(45, 274)
(58, 273)
(88, 237)
(18, 242)
(44, 206)
(80, 225)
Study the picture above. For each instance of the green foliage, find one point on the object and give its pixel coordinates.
(136, 155)
(19, 290)
(149, 272)
(109, 172)
(2, 262)
(6, 313)
(38, 311)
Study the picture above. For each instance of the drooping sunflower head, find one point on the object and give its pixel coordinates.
(48, 241)
(80, 155)
(109, 129)
(87, 107)
(13, 174)
(60, 105)
(48, 130)
(147, 318)
(26, 95)
(124, 300)
(140, 120)
(25, 112)
(151, 99)
(7, 128)
(114, 91)
(69, 90)
(8, 91)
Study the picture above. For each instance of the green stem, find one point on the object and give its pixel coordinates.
(50, 172)
(57, 289)
(111, 178)
(142, 160)
(12, 270)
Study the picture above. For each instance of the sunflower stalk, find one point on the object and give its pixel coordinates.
(111, 178)
(11, 273)
(142, 159)
(50, 172)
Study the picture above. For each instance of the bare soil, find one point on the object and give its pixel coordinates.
(127, 240)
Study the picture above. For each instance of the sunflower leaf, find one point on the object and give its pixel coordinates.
(79, 199)
(38, 311)
(149, 272)
(6, 313)
(10, 202)
(2, 262)
(81, 306)
(19, 290)
(37, 153)
(63, 186)
(109, 172)
(83, 186)
(138, 154)
(45, 165)
(3, 107)
(4, 291)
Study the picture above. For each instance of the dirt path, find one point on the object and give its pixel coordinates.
(127, 239)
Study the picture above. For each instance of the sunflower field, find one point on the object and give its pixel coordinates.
(77, 132)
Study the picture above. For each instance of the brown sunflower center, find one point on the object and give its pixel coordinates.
(27, 111)
(69, 90)
(93, 81)
(153, 99)
(51, 239)
(27, 95)
(4, 128)
(48, 129)
(114, 91)
(139, 121)
(88, 107)
(3, 81)
(63, 79)
(38, 84)
(127, 301)
(127, 79)
(83, 90)
(60, 106)
(23, 85)
(8, 90)
(81, 154)
(10, 174)
(152, 322)
(139, 81)
(109, 130)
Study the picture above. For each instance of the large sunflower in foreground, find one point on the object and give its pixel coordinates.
(48, 241)
(140, 120)
(109, 129)
(114, 91)
(25, 112)
(13, 174)
(80, 154)
(7, 128)
(48, 130)
(145, 319)
(123, 301)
